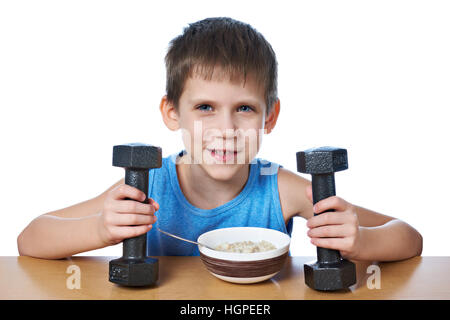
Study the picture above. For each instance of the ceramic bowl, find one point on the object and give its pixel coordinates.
(244, 267)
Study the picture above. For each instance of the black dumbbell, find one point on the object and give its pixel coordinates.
(330, 271)
(134, 268)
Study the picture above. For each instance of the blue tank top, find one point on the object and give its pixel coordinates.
(257, 205)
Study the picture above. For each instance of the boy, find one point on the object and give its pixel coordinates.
(222, 93)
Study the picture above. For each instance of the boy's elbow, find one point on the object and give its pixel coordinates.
(417, 240)
(20, 245)
(411, 238)
(419, 244)
(23, 246)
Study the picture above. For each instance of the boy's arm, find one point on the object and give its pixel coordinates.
(358, 233)
(65, 232)
(384, 238)
(117, 214)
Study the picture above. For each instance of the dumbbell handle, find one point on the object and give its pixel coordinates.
(323, 187)
(135, 248)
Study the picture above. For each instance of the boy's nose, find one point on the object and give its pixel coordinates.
(223, 131)
(226, 125)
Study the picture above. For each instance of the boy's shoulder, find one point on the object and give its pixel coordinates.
(292, 192)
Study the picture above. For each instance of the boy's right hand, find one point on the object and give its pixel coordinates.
(122, 219)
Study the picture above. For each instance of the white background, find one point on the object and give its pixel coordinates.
(77, 77)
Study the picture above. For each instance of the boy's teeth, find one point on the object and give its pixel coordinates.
(221, 152)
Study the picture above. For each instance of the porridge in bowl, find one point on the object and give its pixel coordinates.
(246, 246)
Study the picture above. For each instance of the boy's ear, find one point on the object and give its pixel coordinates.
(272, 118)
(169, 114)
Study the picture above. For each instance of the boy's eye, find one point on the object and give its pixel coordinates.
(203, 106)
(247, 108)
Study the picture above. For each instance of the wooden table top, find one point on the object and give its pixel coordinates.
(187, 278)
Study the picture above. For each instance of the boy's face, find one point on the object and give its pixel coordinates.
(217, 115)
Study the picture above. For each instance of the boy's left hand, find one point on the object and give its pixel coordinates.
(337, 230)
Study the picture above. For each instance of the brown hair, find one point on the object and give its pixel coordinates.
(234, 46)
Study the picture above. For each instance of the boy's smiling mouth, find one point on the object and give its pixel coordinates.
(223, 154)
